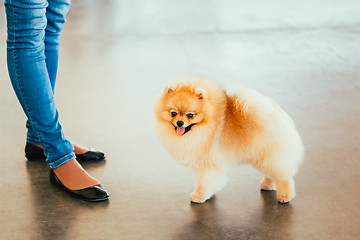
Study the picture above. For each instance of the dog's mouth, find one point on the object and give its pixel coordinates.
(183, 130)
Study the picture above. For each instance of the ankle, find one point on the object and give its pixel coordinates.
(78, 149)
(73, 176)
(39, 146)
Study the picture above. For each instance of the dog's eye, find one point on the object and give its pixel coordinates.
(190, 115)
(173, 114)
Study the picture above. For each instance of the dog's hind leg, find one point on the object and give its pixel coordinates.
(207, 183)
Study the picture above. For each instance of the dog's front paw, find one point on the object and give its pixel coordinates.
(286, 191)
(198, 197)
(283, 198)
(267, 184)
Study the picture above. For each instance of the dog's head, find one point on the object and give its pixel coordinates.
(185, 107)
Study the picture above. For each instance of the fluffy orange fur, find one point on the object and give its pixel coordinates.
(207, 130)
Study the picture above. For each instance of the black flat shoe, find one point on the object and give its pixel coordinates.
(91, 194)
(92, 154)
(34, 153)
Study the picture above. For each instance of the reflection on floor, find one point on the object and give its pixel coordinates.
(116, 56)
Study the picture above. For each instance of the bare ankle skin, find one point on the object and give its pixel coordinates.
(74, 177)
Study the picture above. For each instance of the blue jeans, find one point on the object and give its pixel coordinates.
(34, 28)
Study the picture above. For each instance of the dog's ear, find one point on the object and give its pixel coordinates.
(169, 90)
(200, 93)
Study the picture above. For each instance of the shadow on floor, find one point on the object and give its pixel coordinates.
(275, 222)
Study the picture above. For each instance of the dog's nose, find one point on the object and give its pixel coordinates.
(180, 123)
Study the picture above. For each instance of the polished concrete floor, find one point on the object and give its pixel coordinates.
(116, 56)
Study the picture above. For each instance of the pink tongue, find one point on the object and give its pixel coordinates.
(180, 130)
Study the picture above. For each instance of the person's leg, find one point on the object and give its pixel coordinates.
(26, 22)
(55, 15)
(51, 40)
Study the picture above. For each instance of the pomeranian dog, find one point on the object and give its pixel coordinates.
(207, 130)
